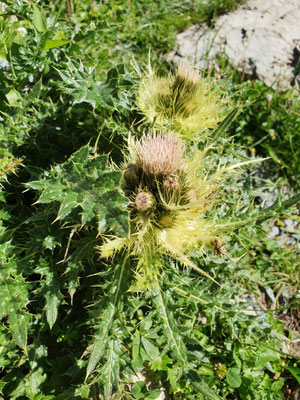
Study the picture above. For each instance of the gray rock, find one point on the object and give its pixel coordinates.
(261, 38)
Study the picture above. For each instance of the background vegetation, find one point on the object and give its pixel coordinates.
(73, 326)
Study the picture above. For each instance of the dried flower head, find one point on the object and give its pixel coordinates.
(186, 101)
(159, 155)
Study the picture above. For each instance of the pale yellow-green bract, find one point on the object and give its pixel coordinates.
(186, 102)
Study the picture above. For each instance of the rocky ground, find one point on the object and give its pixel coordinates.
(261, 38)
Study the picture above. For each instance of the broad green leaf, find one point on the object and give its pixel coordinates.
(233, 377)
(50, 44)
(139, 390)
(150, 348)
(264, 359)
(52, 303)
(295, 371)
(38, 19)
(202, 387)
(155, 395)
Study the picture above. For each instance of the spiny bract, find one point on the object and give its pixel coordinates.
(185, 102)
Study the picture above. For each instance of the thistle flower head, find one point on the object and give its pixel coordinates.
(159, 155)
(186, 101)
(168, 204)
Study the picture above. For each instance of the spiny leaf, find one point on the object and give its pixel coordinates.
(110, 95)
(111, 369)
(85, 182)
(225, 124)
(13, 300)
(173, 336)
(53, 299)
(50, 288)
(101, 339)
(258, 216)
(107, 318)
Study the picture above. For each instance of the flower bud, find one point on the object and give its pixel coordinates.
(144, 201)
(171, 184)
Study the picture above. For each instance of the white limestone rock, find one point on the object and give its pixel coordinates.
(261, 38)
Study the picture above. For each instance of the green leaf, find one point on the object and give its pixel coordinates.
(12, 97)
(154, 395)
(233, 377)
(139, 390)
(13, 300)
(100, 342)
(52, 303)
(174, 338)
(265, 359)
(35, 91)
(19, 324)
(38, 20)
(295, 371)
(202, 387)
(51, 192)
(69, 202)
(50, 44)
(107, 317)
(136, 345)
(150, 349)
(113, 94)
(278, 208)
(225, 124)
(110, 373)
(86, 187)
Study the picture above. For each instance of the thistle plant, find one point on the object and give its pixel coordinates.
(78, 326)
(173, 200)
(186, 101)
